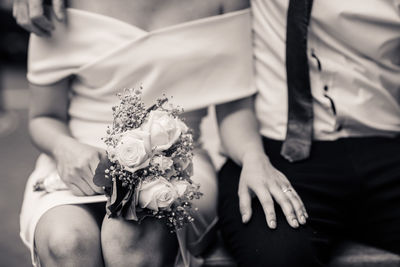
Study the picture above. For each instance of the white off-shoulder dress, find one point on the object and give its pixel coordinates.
(199, 63)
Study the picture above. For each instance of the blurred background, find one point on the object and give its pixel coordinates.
(17, 155)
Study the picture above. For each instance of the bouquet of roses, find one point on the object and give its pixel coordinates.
(148, 167)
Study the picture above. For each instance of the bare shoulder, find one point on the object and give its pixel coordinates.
(233, 5)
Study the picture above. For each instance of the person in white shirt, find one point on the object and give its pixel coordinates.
(337, 87)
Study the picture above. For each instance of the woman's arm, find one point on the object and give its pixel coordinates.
(48, 115)
(242, 142)
(76, 162)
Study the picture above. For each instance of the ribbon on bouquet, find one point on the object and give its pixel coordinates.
(193, 240)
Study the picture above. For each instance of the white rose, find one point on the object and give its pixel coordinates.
(133, 150)
(180, 186)
(157, 194)
(164, 129)
(164, 163)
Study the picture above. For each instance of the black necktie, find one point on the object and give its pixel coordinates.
(298, 140)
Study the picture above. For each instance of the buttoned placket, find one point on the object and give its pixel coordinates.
(323, 78)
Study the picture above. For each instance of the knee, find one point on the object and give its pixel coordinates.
(65, 243)
(127, 244)
(68, 236)
(117, 236)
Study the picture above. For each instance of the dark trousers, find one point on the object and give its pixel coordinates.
(351, 190)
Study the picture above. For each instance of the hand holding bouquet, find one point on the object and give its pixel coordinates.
(148, 167)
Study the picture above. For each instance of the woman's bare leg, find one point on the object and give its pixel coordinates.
(205, 175)
(127, 243)
(69, 236)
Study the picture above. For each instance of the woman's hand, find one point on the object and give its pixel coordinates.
(76, 164)
(30, 15)
(260, 178)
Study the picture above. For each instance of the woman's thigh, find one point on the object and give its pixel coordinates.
(205, 175)
(69, 235)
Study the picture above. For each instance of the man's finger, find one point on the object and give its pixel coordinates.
(43, 23)
(33, 29)
(59, 9)
(36, 8)
(244, 203)
(267, 204)
(15, 8)
(37, 15)
(23, 20)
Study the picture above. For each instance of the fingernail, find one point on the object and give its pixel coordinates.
(245, 218)
(295, 224)
(302, 219)
(306, 214)
(272, 224)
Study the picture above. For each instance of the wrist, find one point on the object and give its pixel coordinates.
(255, 154)
(60, 144)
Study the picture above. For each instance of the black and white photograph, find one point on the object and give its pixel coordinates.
(200, 133)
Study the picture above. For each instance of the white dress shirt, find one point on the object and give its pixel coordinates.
(354, 59)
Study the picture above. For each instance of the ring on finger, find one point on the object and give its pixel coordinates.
(286, 189)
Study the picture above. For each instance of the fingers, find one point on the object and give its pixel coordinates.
(15, 8)
(21, 15)
(93, 165)
(89, 175)
(83, 186)
(285, 204)
(267, 204)
(302, 204)
(76, 190)
(94, 162)
(75, 179)
(59, 9)
(299, 207)
(37, 16)
(295, 209)
(244, 203)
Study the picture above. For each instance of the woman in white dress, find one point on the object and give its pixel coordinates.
(197, 51)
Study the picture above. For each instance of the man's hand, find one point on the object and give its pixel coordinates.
(30, 14)
(260, 178)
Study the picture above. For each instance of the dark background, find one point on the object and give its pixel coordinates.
(17, 155)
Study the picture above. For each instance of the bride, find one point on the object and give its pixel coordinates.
(198, 51)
